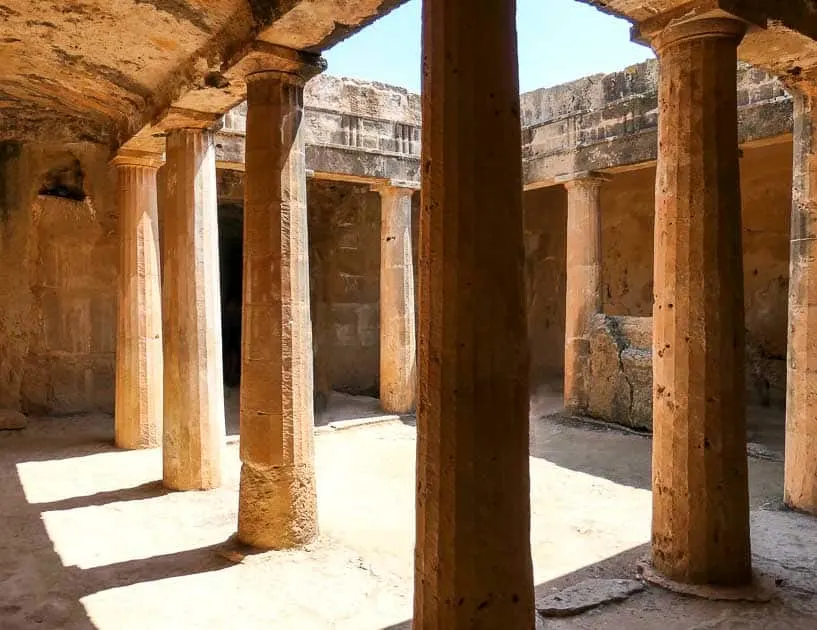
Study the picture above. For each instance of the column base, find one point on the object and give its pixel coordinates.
(277, 506)
(800, 505)
(397, 405)
(759, 587)
(733, 571)
(577, 370)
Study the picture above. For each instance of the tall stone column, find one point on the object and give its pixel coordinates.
(277, 496)
(472, 555)
(801, 378)
(138, 405)
(700, 531)
(398, 346)
(584, 297)
(193, 382)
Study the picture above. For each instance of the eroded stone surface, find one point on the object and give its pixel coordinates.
(11, 420)
(586, 595)
(620, 365)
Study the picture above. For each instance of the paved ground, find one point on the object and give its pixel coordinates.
(89, 538)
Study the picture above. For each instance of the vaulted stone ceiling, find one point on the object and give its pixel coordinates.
(102, 69)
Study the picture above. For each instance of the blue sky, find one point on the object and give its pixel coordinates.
(559, 40)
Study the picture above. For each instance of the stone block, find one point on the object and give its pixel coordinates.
(585, 595)
(621, 370)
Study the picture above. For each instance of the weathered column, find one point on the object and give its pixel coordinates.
(472, 555)
(193, 381)
(277, 496)
(398, 346)
(583, 298)
(138, 404)
(700, 531)
(801, 378)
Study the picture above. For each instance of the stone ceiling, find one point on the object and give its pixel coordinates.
(781, 39)
(103, 69)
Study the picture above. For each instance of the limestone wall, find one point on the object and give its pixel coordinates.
(352, 128)
(58, 252)
(545, 242)
(344, 258)
(621, 360)
(58, 266)
(608, 121)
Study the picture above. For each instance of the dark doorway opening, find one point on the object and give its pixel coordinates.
(231, 241)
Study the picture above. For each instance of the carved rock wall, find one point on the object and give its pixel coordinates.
(58, 266)
(344, 258)
(621, 370)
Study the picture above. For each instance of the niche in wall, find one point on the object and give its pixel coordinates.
(65, 179)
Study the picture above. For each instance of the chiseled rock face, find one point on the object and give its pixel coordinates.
(621, 370)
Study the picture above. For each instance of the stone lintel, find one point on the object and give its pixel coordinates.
(263, 57)
(589, 177)
(151, 138)
(227, 165)
(685, 16)
(180, 118)
(136, 157)
(396, 183)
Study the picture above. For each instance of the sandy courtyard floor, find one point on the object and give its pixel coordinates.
(89, 539)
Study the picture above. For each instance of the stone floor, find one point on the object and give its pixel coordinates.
(90, 539)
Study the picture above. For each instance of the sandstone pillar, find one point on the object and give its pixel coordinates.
(138, 405)
(193, 382)
(700, 530)
(801, 378)
(472, 555)
(277, 497)
(398, 347)
(583, 298)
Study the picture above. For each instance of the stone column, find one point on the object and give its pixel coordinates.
(583, 298)
(277, 496)
(398, 346)
(138, 408)
(193, 382)
(801, 378)
(700, 530)
(472, 555)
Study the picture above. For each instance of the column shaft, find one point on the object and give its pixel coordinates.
(700, 486)
(583, 299)
(193, 382)
(138, 408)
(277, 499)
(801, 378)
(472, 556)
(398, 347)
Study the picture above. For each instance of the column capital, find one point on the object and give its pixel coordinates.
(583, 178)
(406, 186)
(262, 60)
(133, 157)
(697, 20)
